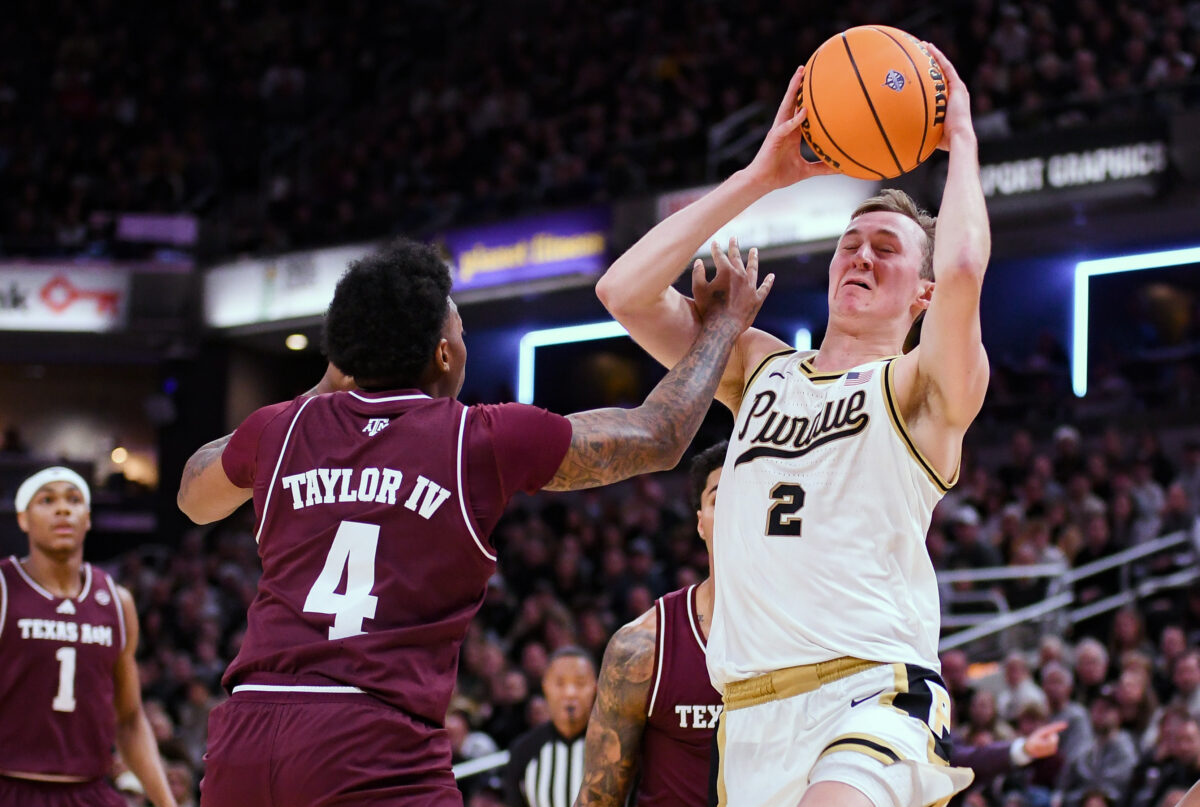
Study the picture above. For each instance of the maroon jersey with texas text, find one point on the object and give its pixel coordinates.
(682, 711)
(57, 662)
(374, 511)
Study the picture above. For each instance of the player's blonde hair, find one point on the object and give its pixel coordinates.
(891, 200)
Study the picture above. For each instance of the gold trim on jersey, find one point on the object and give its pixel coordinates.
(767, 359)
(868, 744)
(722, 796)
(816, 376)
(790, 681)
(894, 414)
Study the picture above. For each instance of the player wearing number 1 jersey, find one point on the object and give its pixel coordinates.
(374, 511)
(825, 628)
(68, 679)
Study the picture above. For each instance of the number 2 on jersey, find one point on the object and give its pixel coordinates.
(353, 551)
(787, 498)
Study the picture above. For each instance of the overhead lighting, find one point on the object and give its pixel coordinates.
(296, 341)
(1085, 271)
(587, 332)
(532, 340)
(119, 455)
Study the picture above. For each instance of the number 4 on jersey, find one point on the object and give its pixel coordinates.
(353, 551)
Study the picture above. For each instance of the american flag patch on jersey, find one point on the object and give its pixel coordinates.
(854, 378)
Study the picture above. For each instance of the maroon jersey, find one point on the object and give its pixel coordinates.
(374, 513)
(683, 709)
(56, 678)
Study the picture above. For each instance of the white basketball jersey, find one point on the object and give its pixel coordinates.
(822, 512)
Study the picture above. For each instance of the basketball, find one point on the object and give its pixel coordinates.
(876, 102)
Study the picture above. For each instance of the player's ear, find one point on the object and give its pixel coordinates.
(23, 521)
(926, 294)
(441, 356)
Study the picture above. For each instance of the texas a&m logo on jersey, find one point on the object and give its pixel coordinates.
(375, 426)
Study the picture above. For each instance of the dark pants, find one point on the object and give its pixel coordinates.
(29, 793)
(305, 750)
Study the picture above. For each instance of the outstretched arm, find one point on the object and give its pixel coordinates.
(637, 289)
(205, 492)
(614, 734)
(608, 445)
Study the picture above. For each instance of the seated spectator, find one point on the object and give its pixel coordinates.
(1019, 689)
(1105, 766)
(1091, 669)
(1057, 683)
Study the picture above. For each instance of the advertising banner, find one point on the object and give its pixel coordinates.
(51, 297)
(570, 243)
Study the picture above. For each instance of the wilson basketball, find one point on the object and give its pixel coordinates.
(876, 101)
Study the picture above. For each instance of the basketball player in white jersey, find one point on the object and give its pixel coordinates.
(825, 627)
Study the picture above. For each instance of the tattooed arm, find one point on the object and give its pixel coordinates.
(614, 734)
(205, 492)
(608, 445)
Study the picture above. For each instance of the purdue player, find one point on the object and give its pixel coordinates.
(824, 637)
(68, 682)
(655, 709)
(374, 510)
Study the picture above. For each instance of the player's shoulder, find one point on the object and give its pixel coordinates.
(511, 417)
(632, 645)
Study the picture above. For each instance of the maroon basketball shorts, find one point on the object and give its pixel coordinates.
(28, 793)
(293, 749)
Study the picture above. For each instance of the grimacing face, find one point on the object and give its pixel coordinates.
(876, 268)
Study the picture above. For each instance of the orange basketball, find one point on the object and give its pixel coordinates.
(876, 101)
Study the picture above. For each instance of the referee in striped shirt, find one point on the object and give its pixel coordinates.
(545, 766)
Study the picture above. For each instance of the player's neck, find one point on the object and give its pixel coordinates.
(62, 578)
(841, 350)
(704, 604)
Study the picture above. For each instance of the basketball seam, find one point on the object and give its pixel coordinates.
(812, 109)
(920, 81)
(870, 105)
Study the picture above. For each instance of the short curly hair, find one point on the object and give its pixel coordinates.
(703, 464)
(387, 315)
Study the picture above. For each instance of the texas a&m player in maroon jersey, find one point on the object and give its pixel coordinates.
(374, 511)
(656, 711)
(68, 680)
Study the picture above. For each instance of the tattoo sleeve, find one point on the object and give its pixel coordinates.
(608, 445)
(614, 734)
(203, 457)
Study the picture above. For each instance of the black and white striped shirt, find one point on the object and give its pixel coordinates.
(544, 769)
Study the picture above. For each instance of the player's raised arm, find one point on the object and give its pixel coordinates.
(952, 367)
(608, 445)
(614, 733)
(637, 289)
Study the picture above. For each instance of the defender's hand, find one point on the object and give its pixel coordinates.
(734, 292)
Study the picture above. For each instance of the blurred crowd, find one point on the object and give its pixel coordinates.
(574, 567)
(285, 125)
